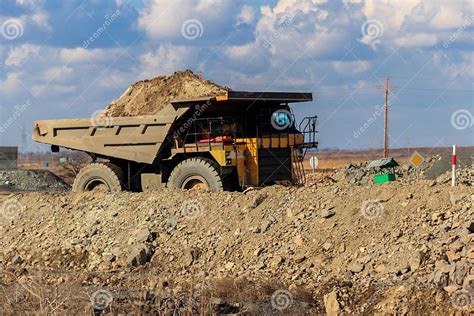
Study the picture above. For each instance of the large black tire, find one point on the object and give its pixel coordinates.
(99, 175)
(201, 173)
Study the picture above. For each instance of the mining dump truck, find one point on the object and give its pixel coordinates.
(225, 142)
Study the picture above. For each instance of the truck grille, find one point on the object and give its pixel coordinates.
(274, 165)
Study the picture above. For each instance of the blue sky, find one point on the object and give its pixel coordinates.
(67, 59)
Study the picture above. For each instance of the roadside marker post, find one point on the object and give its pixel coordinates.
(313, 161)
(453, 177)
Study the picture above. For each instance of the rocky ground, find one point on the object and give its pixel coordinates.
(31, 180)
(436, 168)
(332, 247)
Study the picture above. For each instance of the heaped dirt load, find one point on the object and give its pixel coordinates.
(398, 248)
(150, 96)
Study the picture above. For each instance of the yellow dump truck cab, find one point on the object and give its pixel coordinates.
(225, 142)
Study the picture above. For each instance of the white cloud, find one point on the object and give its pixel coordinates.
(351, 67)
(40, 18)
(449, 17)
(53, 89)
(241, 52)
(82, 55)
(36, 17)
(163, 19)
(29, 3)
(19, 54)
(57, 72)
(12, 85)
(114, 80)
(417, 40)
(166, 59)
(448, 69)
(247, 58)
(295, 27)
(417, 23)
(246, 15)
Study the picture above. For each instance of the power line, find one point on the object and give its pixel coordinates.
(385, 118)
(433, 89)
(370, 88)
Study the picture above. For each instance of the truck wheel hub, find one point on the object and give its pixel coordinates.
(195, 182)
(96, 184)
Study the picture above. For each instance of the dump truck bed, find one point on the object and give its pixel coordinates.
(141, 138)
(138, 138)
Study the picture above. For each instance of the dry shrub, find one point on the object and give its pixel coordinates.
(24, 293)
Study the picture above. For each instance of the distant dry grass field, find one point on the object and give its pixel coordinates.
(338, 159)
(327, 159)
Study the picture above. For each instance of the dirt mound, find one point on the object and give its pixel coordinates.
(442, 163)
(150, 96)
(360, 249)
(31, 180)
(436, 168)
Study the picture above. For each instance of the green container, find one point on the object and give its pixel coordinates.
(384, 177)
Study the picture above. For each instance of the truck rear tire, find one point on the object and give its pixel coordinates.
(99, 175)
(196, 173)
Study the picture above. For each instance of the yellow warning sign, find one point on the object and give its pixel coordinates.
(416, 159)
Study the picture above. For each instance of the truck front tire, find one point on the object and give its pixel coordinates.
(196, 173)
(105, 176)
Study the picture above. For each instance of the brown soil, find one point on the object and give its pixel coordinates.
(398, 254)
(150, 96)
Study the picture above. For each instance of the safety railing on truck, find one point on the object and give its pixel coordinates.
(307, 127)
(206, 134)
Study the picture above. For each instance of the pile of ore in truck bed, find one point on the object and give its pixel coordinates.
(150, 96)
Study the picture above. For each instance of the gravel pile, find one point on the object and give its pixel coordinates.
(436, 168)
(357, 249)
(31, 180)
(442, 164)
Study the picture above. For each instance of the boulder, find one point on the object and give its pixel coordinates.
(138, 256)
(331, 304)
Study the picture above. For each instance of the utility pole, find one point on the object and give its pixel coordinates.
(385, 122)
(23, 140)
(385, 118)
